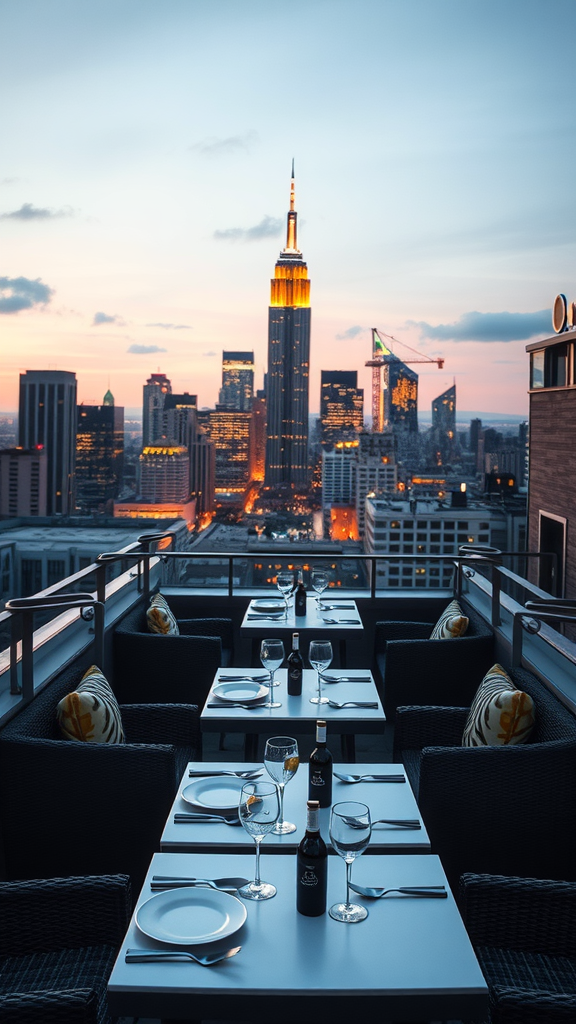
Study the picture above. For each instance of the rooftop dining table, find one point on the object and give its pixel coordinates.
(391, 800)
(410, 960)
(297, 714)
(339, 619)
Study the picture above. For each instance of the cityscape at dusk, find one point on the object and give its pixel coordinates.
(146, 161)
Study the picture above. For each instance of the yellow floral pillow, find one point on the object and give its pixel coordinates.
(91, 713)
(499, 714)
(451, 623)
(159, 617)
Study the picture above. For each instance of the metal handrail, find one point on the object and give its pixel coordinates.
(24, 607)
(533, 615)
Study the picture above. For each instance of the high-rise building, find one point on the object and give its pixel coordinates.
(154, 393)
(288, 364)
(237, 391)
(47, 416)
(202, 471)
(258, 444)
(165, 473)
(394, 390)
(444, 426)
(376, 470)
(230, 433)
(23, 482)
(341, 406)
(99, 454)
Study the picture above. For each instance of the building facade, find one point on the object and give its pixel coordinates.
(154, 394)
(376, 471)
(443, 431)
(231, 435)
(99, 454)
(341, 406)
(237, 391)
(23, 478)
(287, 381)
(47, 417)
(165, 473)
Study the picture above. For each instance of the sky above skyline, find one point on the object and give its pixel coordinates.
(144, 185)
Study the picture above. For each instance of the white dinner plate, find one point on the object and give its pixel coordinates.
(268, 606)
(243, 691)
(222, 794)
(189, 917)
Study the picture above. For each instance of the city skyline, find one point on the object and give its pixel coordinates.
(143, 188)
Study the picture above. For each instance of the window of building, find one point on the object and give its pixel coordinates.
(394, 570)
(31, 576)
(407, 570)
(537, 370)
(434, 536)
(434, 549)
(394, 548)
(56, 570)
(394, 536)
(408, 549)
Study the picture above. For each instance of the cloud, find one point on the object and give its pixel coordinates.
(209, 355)
(269, 227)
(352, 332)
(172, 327)
(145, 350)
(215, 147)
(29, 212)
(18, 293)
(476, 326)
(105, 318)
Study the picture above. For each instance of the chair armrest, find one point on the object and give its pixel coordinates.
(177, 724)
(209, 627)
(58, 1006)
(441, 672)
(419, 727)
(63, 913)
(385, 631)
(520, 913)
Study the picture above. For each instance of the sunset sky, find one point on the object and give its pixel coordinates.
(144, 184)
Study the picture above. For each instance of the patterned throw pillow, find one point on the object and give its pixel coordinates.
(159, 617)
(451, 623)
(500, 714)
(91, 713)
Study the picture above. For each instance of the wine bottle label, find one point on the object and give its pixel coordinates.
(316, 778)
(309, 877)
(295, 673)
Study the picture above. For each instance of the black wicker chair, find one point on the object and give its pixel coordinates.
(59, 938)
(524, 933)
(156, 668)
(411, 668)
(502, 810)
(70, 808)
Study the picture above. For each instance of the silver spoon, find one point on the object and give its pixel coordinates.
(432, 891)
(369, 778)
(144, 956)
(251, 679)
(234, 882)
(352, 704)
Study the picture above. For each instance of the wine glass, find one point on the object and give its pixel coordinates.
(319, 583)
(258, 811)
(281, 763)
(350, 830)
(285, 584)
(272, 656)
(320, 655)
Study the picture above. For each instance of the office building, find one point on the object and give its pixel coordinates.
(287, 381)
(23, 478)
(179, 419)
(400, 397)
(202, 471)
(154, 394)
(443, 432)
(47, 417)
(164, 473)
(341, 406)
(237, 391)
(376, 470)
(230, 433)
(258, 444)
(99, 454)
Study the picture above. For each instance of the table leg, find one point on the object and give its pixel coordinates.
(348, 741)
(251, 746)
(342, 646)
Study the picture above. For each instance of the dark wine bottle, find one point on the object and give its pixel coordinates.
(300, 597)
(311, 867)
(295, 667)
(320, 769)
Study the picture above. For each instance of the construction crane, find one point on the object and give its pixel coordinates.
(382, 356)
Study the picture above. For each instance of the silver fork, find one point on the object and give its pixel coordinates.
(181, 819)
(343, 622)
(254, 773)
(400, 822)
(144, 956)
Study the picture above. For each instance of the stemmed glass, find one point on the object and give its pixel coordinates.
(272, 656)
(258, 811)
(281, 762)
(319, 584)
(285, 584)
(320, 655)
(350, 829)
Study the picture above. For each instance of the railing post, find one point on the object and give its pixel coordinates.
(496, 590)
(27, 662)
(15, 637)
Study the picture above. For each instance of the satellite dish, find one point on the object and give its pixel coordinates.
(572, 314)
(559, 313)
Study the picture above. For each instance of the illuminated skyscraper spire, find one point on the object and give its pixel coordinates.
(288, 363)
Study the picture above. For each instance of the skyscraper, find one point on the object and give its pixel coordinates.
(288, 363)
(154, 392)
(341, 406)
(47, 416)
(394, 390)
(99, 454)
(444, 425)
(237, 391)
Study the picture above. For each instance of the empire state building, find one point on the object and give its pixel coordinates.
(288, 364)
